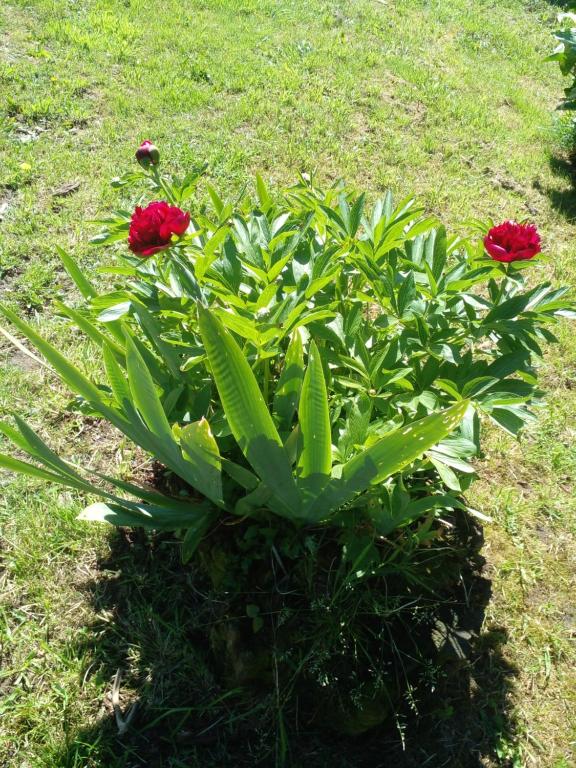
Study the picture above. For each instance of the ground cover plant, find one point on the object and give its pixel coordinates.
(466, 152)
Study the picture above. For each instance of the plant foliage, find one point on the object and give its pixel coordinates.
(304, 356)
(565, 55)
(312, 373)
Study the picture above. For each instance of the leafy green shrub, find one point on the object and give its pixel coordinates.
(312, 374)
(565, 55)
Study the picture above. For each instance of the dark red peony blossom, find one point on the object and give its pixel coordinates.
(151, 228)
(512, 242)
(147, 154)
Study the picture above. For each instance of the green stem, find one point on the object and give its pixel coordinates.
(162, 184)
(503, 284)
(265, 389)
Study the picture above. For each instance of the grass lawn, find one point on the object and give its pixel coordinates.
(446, 99)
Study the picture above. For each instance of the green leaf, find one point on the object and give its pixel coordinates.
(201, 450)
(24, 468)
(406, 294)
(153, 330)
(287, 392)
(115, 312)
(356, 215)
(82, 283)
(62, 472)
(66, 474)
(117, 380)
(29, 441)
(142, 494)
(478, 385)
(240, 474)
(87, 327)
(386, 523)
(228, 269)
(144, 394)
(257, 499)
(315, 461)
(107, 238)
(438, 260)
(509, 309)
(312, 317)
(263, 195)
(448, 476)
(449, 387)
(356, 426)
(160, 439)
(246, 412)
(217, 201)
(152, 432)
(76, 380)
(512, 418)
(508, 364)
(387, 456)
(243, 326)
(145, 516)
(444, 453)
(395, 450)
(195, 534)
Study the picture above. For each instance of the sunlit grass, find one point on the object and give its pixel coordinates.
(447, 100)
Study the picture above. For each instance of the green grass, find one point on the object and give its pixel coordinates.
(441, 98)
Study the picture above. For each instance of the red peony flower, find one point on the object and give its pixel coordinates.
(151, 228)
(512, 242)
(147, 154)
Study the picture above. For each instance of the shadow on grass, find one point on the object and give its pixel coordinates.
(152, 613)
(564, 5)
(564, 200)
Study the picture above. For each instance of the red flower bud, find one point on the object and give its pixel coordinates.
(151, 228)
(147, 154)
(510, 241)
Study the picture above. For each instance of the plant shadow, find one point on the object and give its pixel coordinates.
(563, 200)
(151, 612)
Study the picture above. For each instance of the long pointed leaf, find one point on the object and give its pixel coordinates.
(116, 378)
(153, 331)
(74, 378)
(89, 328)
(24, 468)
(18, 344)
(315, 460)
(140, 515)
(152, 431)
(195, 534)
(147, 401)
(287, 392)
(201, 451)
(145, 396)
(143, 494)
(69, 481)
(82, 283)
(68, 372)
(60, 471)
(246, 412)
(29, 441)
(387, 456)
(239, 474)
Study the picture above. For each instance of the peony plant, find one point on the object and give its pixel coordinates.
(313, 375)
(565, 55)
(300, 356)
